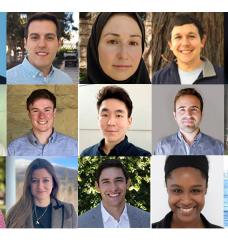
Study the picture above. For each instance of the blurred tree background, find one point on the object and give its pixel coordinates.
(212, 24)
(138, 194)
(2, 184)
(15, 33)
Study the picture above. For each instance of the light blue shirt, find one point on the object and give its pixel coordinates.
(26, 73)
(58, 145)
(202, 145)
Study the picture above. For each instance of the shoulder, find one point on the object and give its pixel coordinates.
(165, 222)
(211, 140)
(91, 218)
(163, 75)
(137, 151)
(90, 151)
(63, 137)
(21, 140)
(165, 145)
(2, 80)
(65, 78)
(137, 211)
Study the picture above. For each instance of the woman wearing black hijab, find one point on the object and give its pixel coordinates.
(126, 64)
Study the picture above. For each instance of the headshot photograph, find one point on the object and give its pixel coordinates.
(2, 192)
(42, 121)
(115, 48)
(3, 120)
(188, 48)
(43, 48)
(114, 192)
(187, 191)
(115, 120)
(41, 192)
(187, 124)
(3, 48)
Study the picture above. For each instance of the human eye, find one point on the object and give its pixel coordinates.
(34, 181)
(177, 37)
(50, 37)
(134, 43)
(176, 190)
(112, 41)
(196, 190)
(34, 37)
(46, 180)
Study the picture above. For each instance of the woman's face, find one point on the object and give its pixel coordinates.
(120, 47)
(41, 185)
(186, 189)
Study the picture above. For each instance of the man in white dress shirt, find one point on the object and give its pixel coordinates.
(112, 182)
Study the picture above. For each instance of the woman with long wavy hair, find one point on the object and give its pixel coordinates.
(38, 206)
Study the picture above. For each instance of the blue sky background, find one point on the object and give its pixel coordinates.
(3, 44)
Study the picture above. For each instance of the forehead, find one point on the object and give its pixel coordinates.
(113, 104)
(185, 29)
(41, 173)
(186, 176)
(111, 173)
(42, 26)
(187, 100)
(42, 102)
(121, 24)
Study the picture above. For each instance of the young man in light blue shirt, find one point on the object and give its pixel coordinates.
(42, 140)
(41, 41)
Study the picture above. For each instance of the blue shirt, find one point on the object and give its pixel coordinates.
(202, 145)
(26, 73)
(124, 148)
(58, 145)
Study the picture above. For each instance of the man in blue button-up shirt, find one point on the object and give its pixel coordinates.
(42, 140)
(42, 41)
(188, 108)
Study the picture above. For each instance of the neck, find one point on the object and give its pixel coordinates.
(176, 223)
(42, 136)
(115, 211)
(108, 146)
(188, 67)
(42, 202)
(190, 137)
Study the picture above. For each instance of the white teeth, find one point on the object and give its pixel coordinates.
(41, 53)
(113, 195)
(186, 210)
(186, 51)
(42, 123)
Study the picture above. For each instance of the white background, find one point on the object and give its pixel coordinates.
(114, 5)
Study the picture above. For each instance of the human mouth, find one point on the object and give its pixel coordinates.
(122, 66)
(186, 211)
(186, 52)
(42, 122)
(113, 195)
(41, 53)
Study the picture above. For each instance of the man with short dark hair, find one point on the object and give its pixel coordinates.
(114, 115)
(41, 41)
(112, 182)
(189, 140)
(186, 39)
(42, 140)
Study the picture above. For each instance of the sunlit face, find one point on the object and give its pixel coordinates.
(188, 113)
(42, 115)
(186, 189)
(113, 120)
(186, 45)
(41, 185)
(42, 44)
(120, 47)
(112, 187)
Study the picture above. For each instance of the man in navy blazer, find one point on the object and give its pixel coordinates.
(112, 182)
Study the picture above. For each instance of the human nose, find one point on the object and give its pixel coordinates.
(111, 120)
(186, 199)
(113, 187)
(42, 42)
(185, 41)
(123, 51)
(41, 114)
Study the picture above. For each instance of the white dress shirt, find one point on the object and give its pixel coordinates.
(110, 222)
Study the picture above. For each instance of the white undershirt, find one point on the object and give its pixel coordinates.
(110, 222)
(189, 77)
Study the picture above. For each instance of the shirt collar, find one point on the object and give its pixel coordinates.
(197, 137)
(208, 69)
(33, 139)
(106, 216)
(117, 150)
(33, 71)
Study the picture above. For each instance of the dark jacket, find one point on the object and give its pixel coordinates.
(170, 75)
(166, 222)
(123, 148)
(2, 80)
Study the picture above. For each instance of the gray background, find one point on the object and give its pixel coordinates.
(163, 123)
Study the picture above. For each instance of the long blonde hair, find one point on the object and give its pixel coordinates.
(19, 213)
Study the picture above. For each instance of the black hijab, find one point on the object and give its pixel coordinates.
(95, 73)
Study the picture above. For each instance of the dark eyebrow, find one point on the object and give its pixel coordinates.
(46, 34)
(176, 185)
(118, 35)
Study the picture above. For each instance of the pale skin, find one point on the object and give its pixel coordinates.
(42, 44)
(188, 116)
(113, 122)
(113, 186)
(42, 115)
(186, 44)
